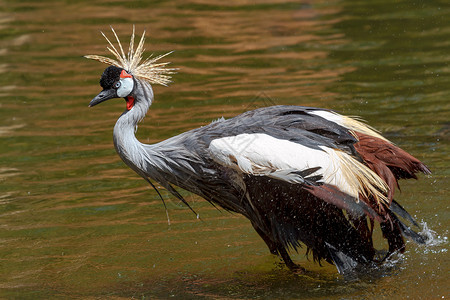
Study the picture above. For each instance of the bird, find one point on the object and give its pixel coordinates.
(302, 176)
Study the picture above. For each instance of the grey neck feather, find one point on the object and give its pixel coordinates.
(126, 144)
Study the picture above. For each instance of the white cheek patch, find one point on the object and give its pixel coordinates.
(126, 86)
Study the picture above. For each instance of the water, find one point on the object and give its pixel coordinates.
(76, 222)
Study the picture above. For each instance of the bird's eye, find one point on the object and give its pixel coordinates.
(117, 85)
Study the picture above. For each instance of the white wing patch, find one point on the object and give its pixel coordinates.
(263, 155)
(351, 123)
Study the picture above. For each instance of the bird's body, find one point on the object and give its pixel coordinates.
(299, 174)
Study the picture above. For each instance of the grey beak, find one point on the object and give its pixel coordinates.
(103, 96)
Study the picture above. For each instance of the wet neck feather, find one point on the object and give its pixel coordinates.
(127, 146)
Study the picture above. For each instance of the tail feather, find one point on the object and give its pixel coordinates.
(394, 230)
(399, 210)
(344, 264)
(408, 232)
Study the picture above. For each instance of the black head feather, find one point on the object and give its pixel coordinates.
(110, 76)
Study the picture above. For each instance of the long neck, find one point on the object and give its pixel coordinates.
(127, 146)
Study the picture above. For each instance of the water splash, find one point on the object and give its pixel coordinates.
(433, 241)
(395, 262)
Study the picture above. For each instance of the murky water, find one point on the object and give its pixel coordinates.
(76, 222)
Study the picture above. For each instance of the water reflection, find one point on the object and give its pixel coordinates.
(76, 222)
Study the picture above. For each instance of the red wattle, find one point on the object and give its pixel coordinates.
(130, 102)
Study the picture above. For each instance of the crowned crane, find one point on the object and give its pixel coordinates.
(299, 174)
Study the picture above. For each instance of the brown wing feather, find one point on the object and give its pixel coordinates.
(387, 160)
(390, 163)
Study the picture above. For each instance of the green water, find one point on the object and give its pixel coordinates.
(75, 222)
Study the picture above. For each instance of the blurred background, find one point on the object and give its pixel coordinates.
(75, 222)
